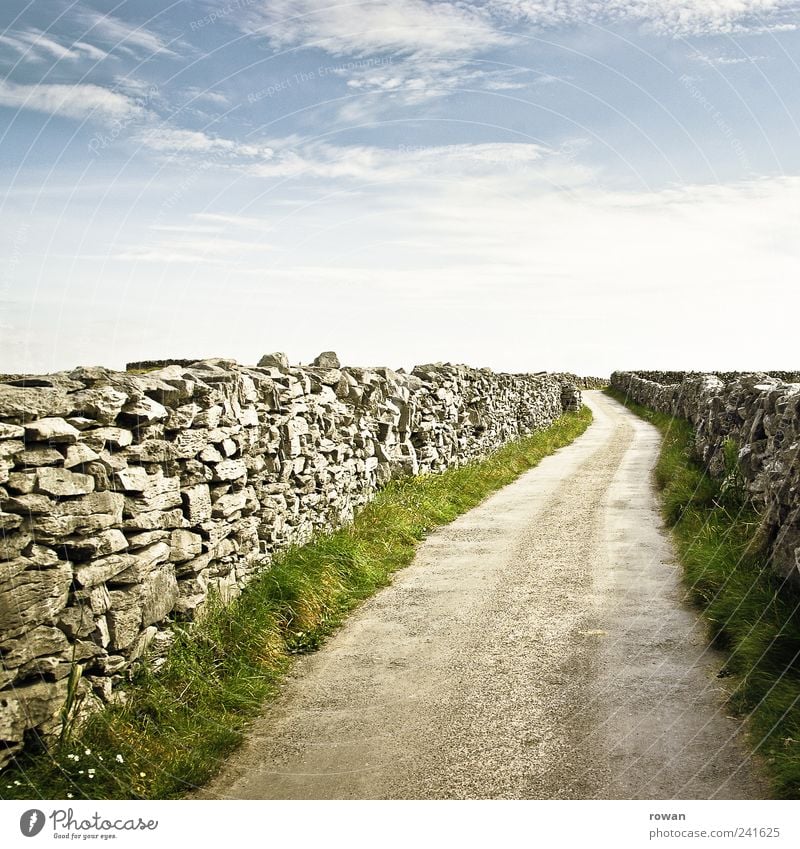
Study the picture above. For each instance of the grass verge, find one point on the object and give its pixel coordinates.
(752, 614)
(179, 724)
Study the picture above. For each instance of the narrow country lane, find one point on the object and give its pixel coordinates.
(538, 647)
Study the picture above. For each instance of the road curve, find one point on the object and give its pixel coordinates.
(537, 648)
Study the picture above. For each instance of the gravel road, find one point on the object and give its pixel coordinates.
(538, 647)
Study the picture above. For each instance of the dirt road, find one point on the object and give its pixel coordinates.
(538, 647)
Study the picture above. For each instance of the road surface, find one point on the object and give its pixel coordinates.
(538, 647)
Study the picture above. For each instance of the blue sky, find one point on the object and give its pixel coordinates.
(524, 184)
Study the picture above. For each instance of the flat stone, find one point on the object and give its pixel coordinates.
(37, 642)
(227, 505)
(21, 483)
(132, 479)
(9, 522)
(78, 455)
(52, 429)
(63, 483)
(34, 597)
(155, 520)
(144, 561)
(11, 431)
(101, 437)
(103, 568)
(197, 503)
(102, 404)
(109, 541)
(11, 447)
(152, 451)
(39, 456)
(145, 410)
(184, 545)
(230, 470)
(25, 403)
(159, 594)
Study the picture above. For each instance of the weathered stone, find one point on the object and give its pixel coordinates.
(33, 597)
(103, 437)
(189, 443)
(124, 624)
(21, 483)
(29, 706)
(40, 641)
(79, 454)
(144, 561)
(110, 541)
(131, 479)
(103, 404)
(63, 483)
(184, 545)
(197, 503)
(11, 447)
(159, 594)
(51, 429)
(38, 456)
(276, 360)
(23, 404)
(77, 620)
(9, 522)
(160, 493)
(327, 360)
(12, 544)
(229, 504)
(11, 431)
(151, 451)
(155, 520)
(145, 410)
(103, 568)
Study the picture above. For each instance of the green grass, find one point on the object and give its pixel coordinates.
(752, 614)
(179, 724)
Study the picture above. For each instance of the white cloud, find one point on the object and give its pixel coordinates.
(69, 101)
(363, 28)
(674, 17)
(36, 46)
(363, 163)
(122, 35)
(177, 141)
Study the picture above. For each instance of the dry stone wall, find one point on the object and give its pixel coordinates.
(761, 414)
(125, 499)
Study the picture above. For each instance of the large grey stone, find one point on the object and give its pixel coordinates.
(52, 429)
(63, 483)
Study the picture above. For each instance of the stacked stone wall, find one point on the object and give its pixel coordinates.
(760, 414)
(125, 499)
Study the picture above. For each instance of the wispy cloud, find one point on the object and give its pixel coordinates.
(69, 101)
(36, 46)
(363, 28)
(667, 17)
(120, 35)
(178, 141)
